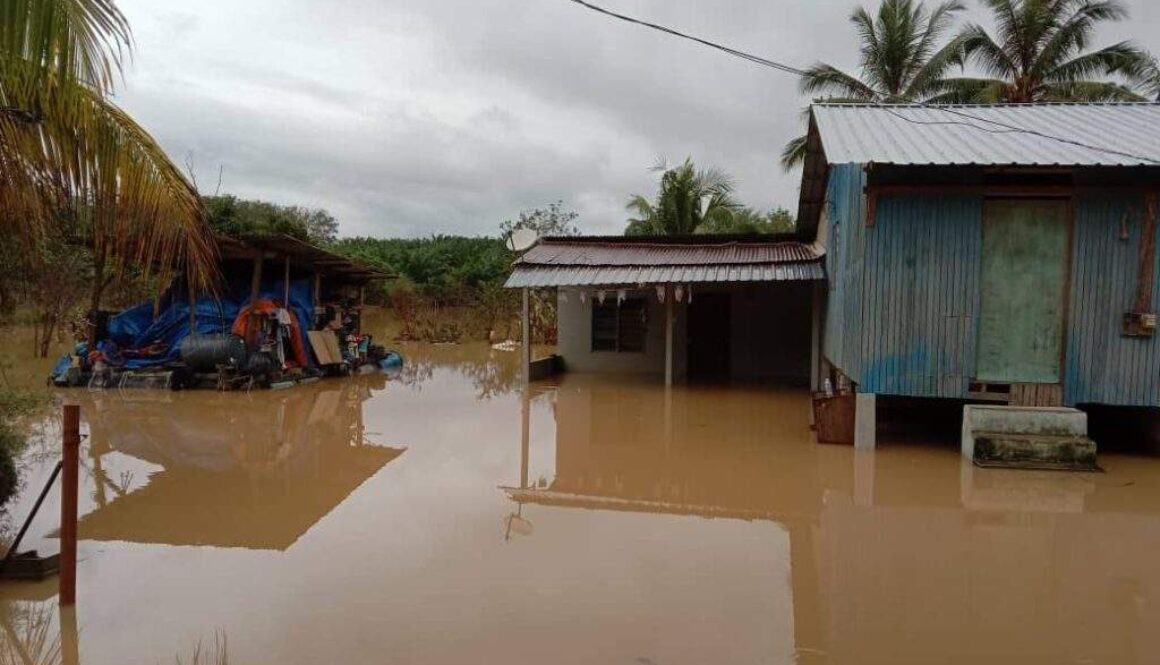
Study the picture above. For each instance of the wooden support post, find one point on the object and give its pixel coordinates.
(1147, 273)
(286, 283)
(256, 281)
(526, 336)
(317, 297)
(362, 296)
(70, 478)
(669, 307)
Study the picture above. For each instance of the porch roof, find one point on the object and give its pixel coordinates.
(615, 260)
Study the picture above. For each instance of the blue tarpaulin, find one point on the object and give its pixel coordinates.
(135, 328)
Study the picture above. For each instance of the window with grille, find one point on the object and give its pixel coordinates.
(619, 326)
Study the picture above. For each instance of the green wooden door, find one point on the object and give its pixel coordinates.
(1024, 274)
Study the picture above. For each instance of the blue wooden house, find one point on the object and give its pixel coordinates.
(1002, 253)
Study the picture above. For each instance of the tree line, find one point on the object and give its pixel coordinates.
(1035, 51)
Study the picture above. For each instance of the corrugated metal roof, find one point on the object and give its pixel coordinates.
(642, 253)
(529, 276)
(1124, 134)
(613, 261)
(301, 253)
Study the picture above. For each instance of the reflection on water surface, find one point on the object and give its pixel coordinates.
(445, 516)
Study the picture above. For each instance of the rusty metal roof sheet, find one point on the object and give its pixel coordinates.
(300, 253)
(1111, 134)
(618, 260)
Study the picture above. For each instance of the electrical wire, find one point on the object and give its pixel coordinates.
(720, 47)
(789, 69)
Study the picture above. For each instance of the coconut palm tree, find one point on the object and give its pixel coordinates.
(686, 199)
(903, 58)
(1040, 53)
(71, 161)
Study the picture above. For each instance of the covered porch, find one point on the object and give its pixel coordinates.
(703, 308)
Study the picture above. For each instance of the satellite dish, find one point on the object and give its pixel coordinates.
(522, 239)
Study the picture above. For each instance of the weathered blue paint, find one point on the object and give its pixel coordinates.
(920, 297)
(845, 210)
(903, 305)
(902, 311)
(1102, 366)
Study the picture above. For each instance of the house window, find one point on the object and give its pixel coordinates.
(619, 326)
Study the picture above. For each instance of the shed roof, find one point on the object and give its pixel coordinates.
(613, 260)
(300, 252)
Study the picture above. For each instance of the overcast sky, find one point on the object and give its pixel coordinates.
(407, 118)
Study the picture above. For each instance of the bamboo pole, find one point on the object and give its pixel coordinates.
(68, 504)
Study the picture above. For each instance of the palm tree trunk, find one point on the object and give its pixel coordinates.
(95, 295)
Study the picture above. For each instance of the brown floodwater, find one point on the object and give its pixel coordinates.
(443, 516)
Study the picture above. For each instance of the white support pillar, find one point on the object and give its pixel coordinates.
(668, 335)
(865, 421)
(526, 337)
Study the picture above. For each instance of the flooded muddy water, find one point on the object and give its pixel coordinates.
(446, 516)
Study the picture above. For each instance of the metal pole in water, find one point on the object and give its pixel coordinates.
(668, 335)
(526, 334)
(68, 504)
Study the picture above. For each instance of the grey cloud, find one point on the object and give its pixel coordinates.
(408, 118)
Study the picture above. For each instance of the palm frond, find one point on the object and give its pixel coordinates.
(82, 41)
(928, 80)
(1090, 91)
(823, 79)
(80, 158)
(966, 90)
(981, 49)
(793, 154)
(1073, 33)
(1122, 57)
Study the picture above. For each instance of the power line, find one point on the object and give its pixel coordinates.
(1005, 128)
(720, 47)
(773, 64)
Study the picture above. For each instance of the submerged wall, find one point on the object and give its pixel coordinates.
(902, 307)
(769, 337)
(574, 321)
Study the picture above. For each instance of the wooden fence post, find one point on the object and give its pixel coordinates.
(68, 504)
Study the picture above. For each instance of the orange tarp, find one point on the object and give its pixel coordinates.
(243, 328)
